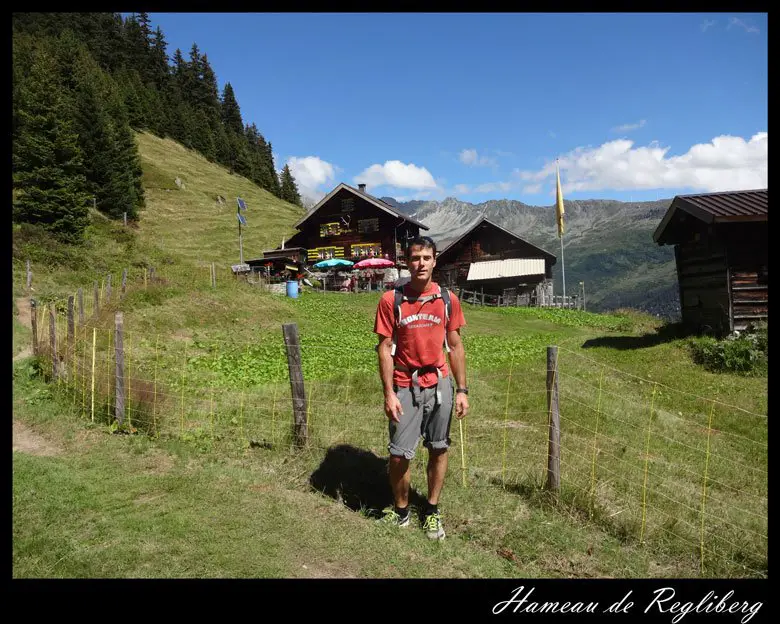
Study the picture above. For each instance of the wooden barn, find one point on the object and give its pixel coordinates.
(349, 223)
(491, 260)
(720, 247)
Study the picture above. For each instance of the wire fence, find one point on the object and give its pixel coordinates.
(652, 464)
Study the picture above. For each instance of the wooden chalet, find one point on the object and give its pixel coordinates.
(489, 259)
(720, 248)
(349, 223)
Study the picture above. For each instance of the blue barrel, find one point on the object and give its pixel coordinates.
(292, 288)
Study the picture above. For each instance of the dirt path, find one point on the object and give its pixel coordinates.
(24, 438)
(27, 441)
(23, 306)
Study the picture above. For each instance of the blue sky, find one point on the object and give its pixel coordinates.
(479, 106)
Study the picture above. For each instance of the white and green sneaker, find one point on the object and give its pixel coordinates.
(393, 518)
(433, 527)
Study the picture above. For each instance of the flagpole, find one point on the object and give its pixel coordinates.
(559, 215)
(240, 245)
(563, 273)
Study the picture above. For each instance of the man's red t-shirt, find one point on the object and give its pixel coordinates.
(420, 334)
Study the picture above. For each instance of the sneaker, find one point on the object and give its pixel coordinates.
(392, 517)
(433, 527)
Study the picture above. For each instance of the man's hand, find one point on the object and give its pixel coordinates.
(393, 409)
(461, 405)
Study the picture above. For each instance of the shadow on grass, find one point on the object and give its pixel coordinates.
(358, 478)
(665, 333)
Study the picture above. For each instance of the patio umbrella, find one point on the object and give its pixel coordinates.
(333, 262)
(374, 263)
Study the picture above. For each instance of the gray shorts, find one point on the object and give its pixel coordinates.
(422, 417)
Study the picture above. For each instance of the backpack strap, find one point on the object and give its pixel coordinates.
(445, 295)
(398, 297)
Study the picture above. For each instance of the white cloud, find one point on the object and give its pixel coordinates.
(706, 24)
(532, 189)
(310, 172)
(735, 21)
(727, 163)
(629, 127)
(462, 189)
(397, 174)
(471, 158)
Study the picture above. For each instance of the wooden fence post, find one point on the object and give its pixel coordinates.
(293, 346)
(29, 277)
(554, 447)
(125, 218)
(108, 288)
(124, 282)
(119, 411)
(53, 341)
(81, 305)
(213, 276)
(34, 324)
(71, 325)
(151, 274)
(96, 303)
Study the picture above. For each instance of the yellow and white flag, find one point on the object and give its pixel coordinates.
(558, 201)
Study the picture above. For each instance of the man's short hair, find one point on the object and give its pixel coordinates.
(426, 242)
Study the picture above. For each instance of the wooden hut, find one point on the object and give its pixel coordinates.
(352, 224)
(720, 248)
(492, 260)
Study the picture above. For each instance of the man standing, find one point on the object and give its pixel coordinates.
(414, 329)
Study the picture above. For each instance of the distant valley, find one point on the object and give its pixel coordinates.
(608, 245)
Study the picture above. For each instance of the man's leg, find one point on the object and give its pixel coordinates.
(404, 436)
(437, 434)
(400, 479)
(437, 468)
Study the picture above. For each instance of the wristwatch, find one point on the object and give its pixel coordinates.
(462, 390)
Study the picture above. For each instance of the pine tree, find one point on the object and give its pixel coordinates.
(128, 177)
(222, 146)
(201, 137)
(289, 189)
(110, 172)
(231, 113)
(136, 98)
(160, 69)
(276, 188)
(48, 181)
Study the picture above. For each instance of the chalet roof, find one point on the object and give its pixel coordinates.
(726, 207)
(511, 267)
(489, 222)
(369, 198)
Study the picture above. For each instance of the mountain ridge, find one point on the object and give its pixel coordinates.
(607, 244)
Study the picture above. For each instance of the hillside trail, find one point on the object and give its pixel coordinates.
(25, 439)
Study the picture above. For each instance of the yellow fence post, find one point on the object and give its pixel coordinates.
(94, 341)
(595, 447)
(183, 375)
(154, 402)
(506, 423)
(704, 488)
(647, 463)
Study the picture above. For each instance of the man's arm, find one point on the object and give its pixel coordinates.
(393, 408)
(458, 366)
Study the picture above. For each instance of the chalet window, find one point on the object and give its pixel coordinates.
(330, 229)
(367, 250)
(348, 204)
(324, 253)
(366, 226)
